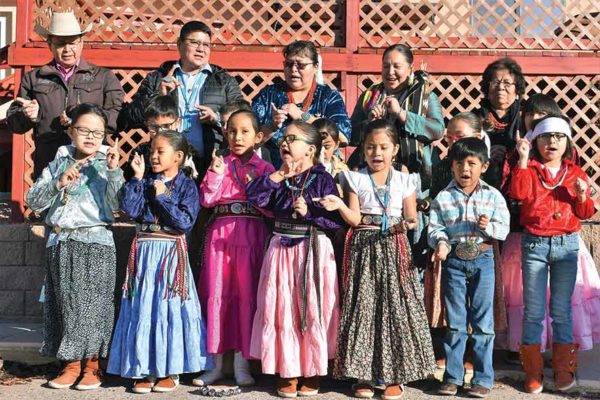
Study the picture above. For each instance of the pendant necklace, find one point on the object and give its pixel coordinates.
(297, 192)
(382, 194)
(557, 214)
(468, 250)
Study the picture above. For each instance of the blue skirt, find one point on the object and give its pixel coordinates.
(160, 331)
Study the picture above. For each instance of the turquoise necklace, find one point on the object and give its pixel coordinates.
(382, 194)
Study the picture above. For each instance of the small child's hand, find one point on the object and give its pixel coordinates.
(330, 202)
(523, 146)
(441, 252)
(70, 175)
(112, 155)
(218, 164)
(300, 206)
(138, 166)
(159, 187)
(482, 222)
(580, 187)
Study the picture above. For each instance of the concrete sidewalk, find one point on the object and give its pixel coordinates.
(20, 341)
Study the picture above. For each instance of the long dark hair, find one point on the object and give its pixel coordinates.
(179, 143)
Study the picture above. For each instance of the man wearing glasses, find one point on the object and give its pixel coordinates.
(200, 89)
(47, 94)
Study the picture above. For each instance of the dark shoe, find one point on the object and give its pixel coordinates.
(448, 389)
(479, 391)
(512, 357)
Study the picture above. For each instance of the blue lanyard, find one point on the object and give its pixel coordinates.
(189, 96)
(236, 176)
(385, 202)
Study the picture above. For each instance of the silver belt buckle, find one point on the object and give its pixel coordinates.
(467, 251)
(236, 208)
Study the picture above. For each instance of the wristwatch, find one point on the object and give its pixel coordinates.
(305, 117)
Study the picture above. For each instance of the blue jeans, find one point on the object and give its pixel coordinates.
(541, 255)
(469, 297)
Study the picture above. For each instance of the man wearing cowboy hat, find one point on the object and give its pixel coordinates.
(47, 94)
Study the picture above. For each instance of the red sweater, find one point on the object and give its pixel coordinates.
(549, 212)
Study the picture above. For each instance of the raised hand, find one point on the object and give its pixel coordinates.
(523, 146)
(138, 166)
(64, 119)
(206, 114)
(292, 110)
(580, 187)
(71, 174)
(112, 156)
(377, 113)
(218, 164)
(159, 187)
(392, 105)
(300, 206)
(279, 116)
(169, 82)
(31, 108)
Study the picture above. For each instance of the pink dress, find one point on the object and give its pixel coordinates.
(232, 256)
(585, 302)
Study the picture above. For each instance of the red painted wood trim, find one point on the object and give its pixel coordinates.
(24, 22)
(17, 190)
(360, 63)
(352, 25)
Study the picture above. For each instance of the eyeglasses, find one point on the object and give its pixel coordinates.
(60, 43)
(194, 44)
(85, 132)
(289, 139)
(556, 136)
(300, 66)
(160, 127)
(497, 83)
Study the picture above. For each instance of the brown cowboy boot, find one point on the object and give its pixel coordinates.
(533, 365)
(92, 375)
(564, 364)
(68, 376)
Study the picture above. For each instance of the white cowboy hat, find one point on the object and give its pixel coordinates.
(62, 24)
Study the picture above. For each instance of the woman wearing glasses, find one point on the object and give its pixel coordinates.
(502, 86)
(200, 89)
(301, 97)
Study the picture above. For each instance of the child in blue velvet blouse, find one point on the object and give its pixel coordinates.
(160, 332)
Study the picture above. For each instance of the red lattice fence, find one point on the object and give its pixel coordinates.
(555, 41)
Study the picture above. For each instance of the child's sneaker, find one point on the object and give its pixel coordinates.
(287, 387)
(479, 391)
(310, 386)
(164, 385)
(393, 392)
(448, 389)
(143, 386)
(363, 390)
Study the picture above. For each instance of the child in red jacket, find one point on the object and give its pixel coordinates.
(555, 195)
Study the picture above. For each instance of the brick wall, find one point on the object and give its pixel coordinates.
(22, 249)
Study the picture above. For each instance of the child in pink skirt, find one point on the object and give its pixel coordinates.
(233, 249)
(297, 314)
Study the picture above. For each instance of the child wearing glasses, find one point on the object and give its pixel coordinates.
(80, 191)
(554, 195)
(296, 321)
(330, 136)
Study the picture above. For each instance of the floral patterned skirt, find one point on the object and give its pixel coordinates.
(383, 331)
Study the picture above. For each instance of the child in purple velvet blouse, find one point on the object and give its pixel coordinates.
(295, 326)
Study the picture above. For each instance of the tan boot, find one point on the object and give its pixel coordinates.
(92, 375)
(564, 364)
(68, 376)
(533, 365)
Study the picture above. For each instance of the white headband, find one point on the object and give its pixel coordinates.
(549, 125)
